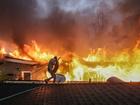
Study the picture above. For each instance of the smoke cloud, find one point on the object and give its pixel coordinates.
(72, 25)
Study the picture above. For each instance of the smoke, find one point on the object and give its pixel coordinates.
(72, 25)
(16, 19)
(131, 11)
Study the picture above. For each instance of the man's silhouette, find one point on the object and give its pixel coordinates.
(53, 66)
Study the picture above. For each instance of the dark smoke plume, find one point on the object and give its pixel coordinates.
(74, 25)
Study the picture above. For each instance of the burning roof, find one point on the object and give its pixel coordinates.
(21, 61)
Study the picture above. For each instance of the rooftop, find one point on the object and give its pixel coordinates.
(21, 61)
(80, 94)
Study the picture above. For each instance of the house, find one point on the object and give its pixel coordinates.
(18, 69)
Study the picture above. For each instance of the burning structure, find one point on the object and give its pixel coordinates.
(99, 65)
(96, 39)
(18, 69)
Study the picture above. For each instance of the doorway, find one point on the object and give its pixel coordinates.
(26, 75)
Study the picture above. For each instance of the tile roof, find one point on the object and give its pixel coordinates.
(79, 94)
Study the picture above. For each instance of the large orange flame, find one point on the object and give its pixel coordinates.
(98, 65)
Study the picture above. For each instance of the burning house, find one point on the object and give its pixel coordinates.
(19, 69)
(102, 35)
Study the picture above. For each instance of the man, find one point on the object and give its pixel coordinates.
(53, 66)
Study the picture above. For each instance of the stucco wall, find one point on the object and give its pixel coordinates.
(17, 68)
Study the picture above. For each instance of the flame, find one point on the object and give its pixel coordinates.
(2, 52)
(98, 65)
(35, 52)
(32, 52)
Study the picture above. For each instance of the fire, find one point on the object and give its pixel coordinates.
(98, 65)
(2, 52)
(35, 52)
(32, 52)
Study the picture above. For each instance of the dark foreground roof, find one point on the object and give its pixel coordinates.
(79, 94)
